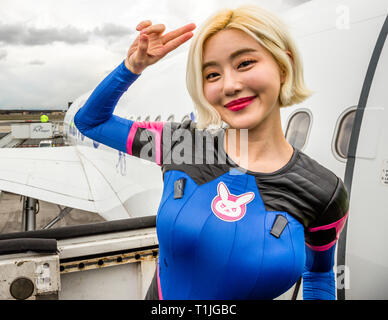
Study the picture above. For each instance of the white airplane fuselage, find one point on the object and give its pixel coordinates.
(345, 63)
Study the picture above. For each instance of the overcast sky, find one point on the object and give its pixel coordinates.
(53, 51)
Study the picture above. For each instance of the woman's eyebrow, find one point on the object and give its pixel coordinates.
(232, 56)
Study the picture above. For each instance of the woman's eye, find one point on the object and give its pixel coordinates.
(245, 63)
(211, 75)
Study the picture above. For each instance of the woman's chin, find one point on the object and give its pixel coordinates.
(242, 124)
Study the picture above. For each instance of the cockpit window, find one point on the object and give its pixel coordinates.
(298, 128)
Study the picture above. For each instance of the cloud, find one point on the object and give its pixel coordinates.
(3, 54)
(69, 35)
(18, 34)
(111, 30)
(10, 33)
(36, 62)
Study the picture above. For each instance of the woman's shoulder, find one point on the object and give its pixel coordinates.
(307, 189)
(322, 180)
(336, 203)
(315, 171)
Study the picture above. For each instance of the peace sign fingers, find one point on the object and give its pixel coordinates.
(143, 24)
(151, 45)
(176, 42)
(178, 32)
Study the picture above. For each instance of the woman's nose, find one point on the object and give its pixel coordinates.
(232, 83)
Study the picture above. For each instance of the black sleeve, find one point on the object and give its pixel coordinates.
(324, 231)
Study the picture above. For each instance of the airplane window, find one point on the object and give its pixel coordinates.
(138, 118)
(132, 118)
(147, 118)
(170, 118)
(298, 128)
(344, 132)
(158, 118)
(186, 117)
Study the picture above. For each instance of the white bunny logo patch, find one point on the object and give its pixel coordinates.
(229, 207)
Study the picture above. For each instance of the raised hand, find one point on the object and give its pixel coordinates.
(151, 45)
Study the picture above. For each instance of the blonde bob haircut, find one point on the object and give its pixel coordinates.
(267, 29)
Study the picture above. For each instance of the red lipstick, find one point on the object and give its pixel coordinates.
(239, 104)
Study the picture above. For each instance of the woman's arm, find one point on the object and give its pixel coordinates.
(321, 239)
(96, 120)
(318, 276)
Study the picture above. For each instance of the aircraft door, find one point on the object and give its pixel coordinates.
(362, 260)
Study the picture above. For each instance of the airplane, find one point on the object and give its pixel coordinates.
(345, 60)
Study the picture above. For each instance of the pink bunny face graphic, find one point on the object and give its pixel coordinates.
(229, 207)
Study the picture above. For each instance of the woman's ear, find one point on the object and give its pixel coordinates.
(290, 55)
(282, 75)
(282, 69)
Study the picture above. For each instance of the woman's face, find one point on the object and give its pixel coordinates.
(241, 79)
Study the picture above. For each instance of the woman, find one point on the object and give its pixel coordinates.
(231, 224)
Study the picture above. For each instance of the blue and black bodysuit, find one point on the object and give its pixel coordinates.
(225, 232)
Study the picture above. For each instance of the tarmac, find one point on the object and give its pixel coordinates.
(11, 206)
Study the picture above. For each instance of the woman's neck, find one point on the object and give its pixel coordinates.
(260, 149)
